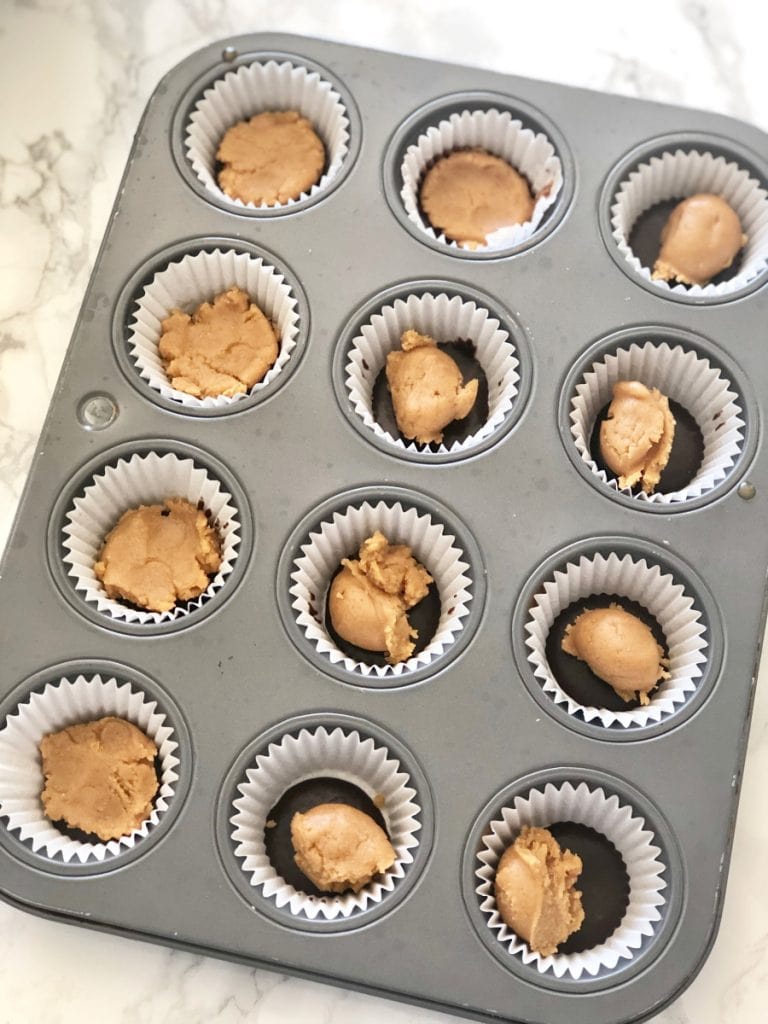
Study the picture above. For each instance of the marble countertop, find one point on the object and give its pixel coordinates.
(74, 77)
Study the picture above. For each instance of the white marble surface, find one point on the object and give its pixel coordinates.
(74, 77)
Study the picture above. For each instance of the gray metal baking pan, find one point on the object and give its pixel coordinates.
(475, 727)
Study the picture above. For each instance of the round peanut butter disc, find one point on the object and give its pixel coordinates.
(157, 555)
(99, 776)
(535, 890)
(427, 388)
(637, 434)
(339, 847)
(701, 238)
(272, 158)
(370, 597)
(471, 193)
(619, 648)
(223, 348)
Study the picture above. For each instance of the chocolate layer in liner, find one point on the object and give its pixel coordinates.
(603, 883)
(574, 676)
(645, 241)
(301, 798)
(685, 458)
(462, 351)
(423, 617)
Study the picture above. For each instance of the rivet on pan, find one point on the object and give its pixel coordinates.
(228, 53)
(747, 490)
(96, 412)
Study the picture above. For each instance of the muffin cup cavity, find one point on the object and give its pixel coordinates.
(258, 87)
(444, 318)
(339, 536)
(60, 704)
(624, 827)
(676, 175)
(634, 579)
(196, 278)
(500, 133)
(685, 377)
(127, 483)
(315, 753)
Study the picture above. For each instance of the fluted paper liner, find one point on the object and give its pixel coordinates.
(445, 318)
(197, 278)
(340, 537)
(498, 132)
(649, 586)
(676, 175)
(623, 827)
(319, 753)
(61, 704)
(259, 87)
(143, 480)
(685, 377)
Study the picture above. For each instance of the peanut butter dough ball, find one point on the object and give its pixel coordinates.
(223, 348)
(369, 598)
(636, 436)
(157, 555)
(620, 649)
(701, 237)
(535, 890)
(99, 777)
(338, 847)
(270, 159)
(427, 388)
(470, 193)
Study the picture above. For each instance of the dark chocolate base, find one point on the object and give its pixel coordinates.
(685, 457)
(423, 617)
(301, 798)
(645, 240)
(603, 883)
(463, 354)
(575, 677)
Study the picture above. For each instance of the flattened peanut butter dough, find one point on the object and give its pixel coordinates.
(470, 193)
(339, 847)
(270, 159)
(369, 598)
(99, 776)
(701, 237)
(620, 649)
(157, 555)
(223, 348)
(636, 437)
(535, 890)
(427, 388)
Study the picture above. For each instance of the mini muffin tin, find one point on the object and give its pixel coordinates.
(472, 737)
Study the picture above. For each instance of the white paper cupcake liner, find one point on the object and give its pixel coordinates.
(649, 586)
(683, 376)
(530, 153)
(623, 827)
(680, 174)
(192, 280)
(61, 704)
(445, 318)
(143, 480)
(315, 754)
(254, 88)
(340, 537)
